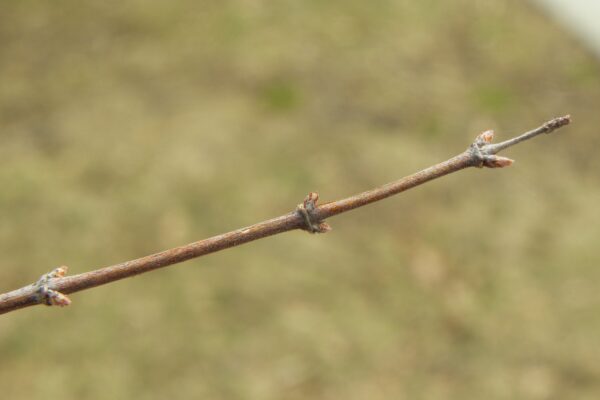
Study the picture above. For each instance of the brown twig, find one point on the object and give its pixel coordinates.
(51, 288)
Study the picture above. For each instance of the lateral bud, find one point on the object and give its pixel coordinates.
(306, 209)
(492, 161)
(49, 296)
(54, 298)
(485, 138)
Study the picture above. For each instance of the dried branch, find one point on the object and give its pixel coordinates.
(51, 288)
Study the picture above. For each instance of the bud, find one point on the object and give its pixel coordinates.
(497, 162)
(557, 123)
(306, 208)
(57, 299)
(60, 271)
(324, 227)
(310, 201)
(485, 138)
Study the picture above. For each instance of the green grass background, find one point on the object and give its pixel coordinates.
(128, 127)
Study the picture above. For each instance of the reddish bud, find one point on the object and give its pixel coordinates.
(486, 137)
(60, 271)
(324, 227)
(497, 162)
(58, 299)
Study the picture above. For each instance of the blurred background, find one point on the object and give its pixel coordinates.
(130, 127)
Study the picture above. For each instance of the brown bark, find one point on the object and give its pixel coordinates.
(51, 287)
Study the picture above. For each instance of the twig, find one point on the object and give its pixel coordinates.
(51, 288)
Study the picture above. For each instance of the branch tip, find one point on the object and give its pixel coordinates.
(483, 147)
(556, 123)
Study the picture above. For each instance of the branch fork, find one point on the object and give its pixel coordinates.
(484, 152)
(480, 150)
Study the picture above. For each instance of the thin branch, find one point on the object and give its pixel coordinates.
(548, 127)
(51, 288)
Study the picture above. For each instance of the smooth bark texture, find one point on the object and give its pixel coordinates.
(51, 287)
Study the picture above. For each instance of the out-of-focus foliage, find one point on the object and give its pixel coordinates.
(128, 127)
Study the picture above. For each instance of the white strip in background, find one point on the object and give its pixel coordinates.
(580, 16)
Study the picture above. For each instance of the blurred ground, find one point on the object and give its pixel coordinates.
(131, 127)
